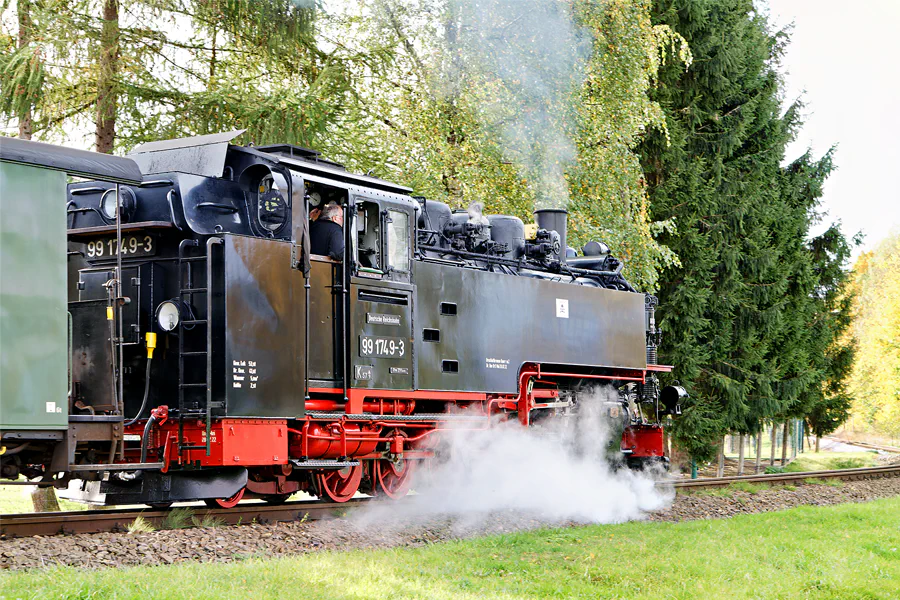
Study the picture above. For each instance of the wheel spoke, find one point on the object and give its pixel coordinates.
(339, 486)
(393, 479)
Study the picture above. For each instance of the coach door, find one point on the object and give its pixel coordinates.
(381, 296)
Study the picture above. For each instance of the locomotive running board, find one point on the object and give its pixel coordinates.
(401, 418)
(116, 467)
(323, 464)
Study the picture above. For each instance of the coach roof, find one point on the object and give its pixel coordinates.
(81, 163)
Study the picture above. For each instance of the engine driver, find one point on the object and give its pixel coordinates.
(326, 235)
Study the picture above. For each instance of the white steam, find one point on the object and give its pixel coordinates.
(531, 56)
(556, 473)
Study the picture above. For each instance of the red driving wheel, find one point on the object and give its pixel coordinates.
(339, 486)
(225, 502)
(393, 479)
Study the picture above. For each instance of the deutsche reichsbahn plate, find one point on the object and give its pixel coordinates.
(140, 244)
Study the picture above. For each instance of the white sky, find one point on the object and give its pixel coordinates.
(844, 61)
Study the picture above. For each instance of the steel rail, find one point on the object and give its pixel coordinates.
(786, 478)
(865, 445)
(97, 521)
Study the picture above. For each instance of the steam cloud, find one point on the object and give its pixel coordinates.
(557, 473)
(532, 57)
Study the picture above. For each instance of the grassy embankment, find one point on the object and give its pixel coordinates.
(848, 551)
(827, 461)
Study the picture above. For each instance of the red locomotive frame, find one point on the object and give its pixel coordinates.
(353, 431)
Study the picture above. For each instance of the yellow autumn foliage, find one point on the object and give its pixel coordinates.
(875, 381)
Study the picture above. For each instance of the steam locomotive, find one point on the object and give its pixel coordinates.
(188, 345)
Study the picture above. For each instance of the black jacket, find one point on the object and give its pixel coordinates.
(327, 239)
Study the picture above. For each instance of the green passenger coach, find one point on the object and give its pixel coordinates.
(33, 332)
(34, 322)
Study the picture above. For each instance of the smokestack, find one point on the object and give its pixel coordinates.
(554, 219)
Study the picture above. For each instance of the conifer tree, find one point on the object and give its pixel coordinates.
(738, 313)
(170, 68)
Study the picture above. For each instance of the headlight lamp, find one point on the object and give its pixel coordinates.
(168, 315)
(127, 204)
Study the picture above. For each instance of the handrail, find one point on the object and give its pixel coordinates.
(213, 241)
(69, 349)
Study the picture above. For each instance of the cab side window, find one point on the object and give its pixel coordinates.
(398, 240)
(368, 235)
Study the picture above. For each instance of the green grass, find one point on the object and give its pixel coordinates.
(140, 525)
(728, 491)
(178, 518)
(720, 492)
(750, 488)
(829, 482)
(827, 461)
(17, 499)
(848, 551)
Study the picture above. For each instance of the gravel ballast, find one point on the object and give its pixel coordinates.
(227, 544)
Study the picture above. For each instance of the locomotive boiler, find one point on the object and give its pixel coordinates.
(169, 335)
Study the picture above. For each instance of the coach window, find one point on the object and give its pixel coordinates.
(398, 240)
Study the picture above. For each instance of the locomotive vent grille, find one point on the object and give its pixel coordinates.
(450, 366)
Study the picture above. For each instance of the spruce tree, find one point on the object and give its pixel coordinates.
(737, 314)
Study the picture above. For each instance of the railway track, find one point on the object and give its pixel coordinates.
(96, 521)
(787, 478)
(866, 445)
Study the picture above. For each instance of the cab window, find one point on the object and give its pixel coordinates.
(368, 235)
(398, 240)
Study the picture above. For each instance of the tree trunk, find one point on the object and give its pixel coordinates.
(24, 14)
(44, 499)
(741, 455)
(818, 437)
(758, 449)
(720, 468)
(107, 93)
(795, 432)
(784, 444)
(772, 449)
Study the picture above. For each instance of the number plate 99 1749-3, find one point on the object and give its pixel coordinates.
(132, 245)
(382, 347)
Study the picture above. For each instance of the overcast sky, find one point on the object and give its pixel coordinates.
(844, 61)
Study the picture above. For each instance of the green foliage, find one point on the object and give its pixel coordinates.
(747, 314)
(179, 68)
(453, 111)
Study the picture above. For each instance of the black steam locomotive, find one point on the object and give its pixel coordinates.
(215, 356)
